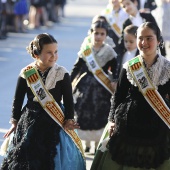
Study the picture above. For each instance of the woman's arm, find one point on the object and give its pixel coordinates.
(120, 95)
(76, 68)
(18, 100)
(69, 123)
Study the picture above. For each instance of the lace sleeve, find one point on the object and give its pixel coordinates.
(120, 95)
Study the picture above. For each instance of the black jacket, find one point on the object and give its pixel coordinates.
(151, 4)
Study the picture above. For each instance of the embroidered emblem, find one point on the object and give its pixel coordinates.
(143, 82)
(41, 93)
(87, 52)
(92, 63)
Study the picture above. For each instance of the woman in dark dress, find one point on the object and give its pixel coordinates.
(139, 118)
(43, 135)
(91, 95)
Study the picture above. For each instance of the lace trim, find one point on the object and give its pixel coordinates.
(159, 72)
(55, 74)
(105, 54)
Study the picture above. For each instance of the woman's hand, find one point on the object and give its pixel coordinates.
(70, 125)
(12, 129)
(111, 128)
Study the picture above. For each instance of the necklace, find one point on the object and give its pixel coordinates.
(42, 72)
(149, 64)
(97, 49)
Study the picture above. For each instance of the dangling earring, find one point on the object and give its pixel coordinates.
(158, 49)
(162, 44)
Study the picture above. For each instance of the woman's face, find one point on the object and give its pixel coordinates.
(147, 42)
(98, 36)
(130, 42)
(129, 7)
(114, 3)
(48, 56)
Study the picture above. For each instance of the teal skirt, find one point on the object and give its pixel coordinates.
(68, 155)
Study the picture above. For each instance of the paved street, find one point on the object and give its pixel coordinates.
(69, 34)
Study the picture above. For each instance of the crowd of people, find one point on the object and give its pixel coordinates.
(117, 95)
(21, 15)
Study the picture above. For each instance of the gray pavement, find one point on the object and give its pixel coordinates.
(69, 34)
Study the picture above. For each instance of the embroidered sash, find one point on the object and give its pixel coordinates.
(96, 70)
(111, 20)
(48, 103)
(148, 90)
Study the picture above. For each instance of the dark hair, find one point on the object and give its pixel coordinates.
(99, 18)
(120, 1)
(99, 24)
(35, 47)
(130, 29)
(154, 27)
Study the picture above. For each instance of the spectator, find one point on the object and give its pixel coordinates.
(92, 88)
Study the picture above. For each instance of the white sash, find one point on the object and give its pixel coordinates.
(148, 90)
(111, 20)
(48, 103)
(97, 71)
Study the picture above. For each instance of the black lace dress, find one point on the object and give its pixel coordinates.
(92, 100)
(34, 144)
(141, 139)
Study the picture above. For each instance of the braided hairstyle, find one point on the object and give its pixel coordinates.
(35, 47)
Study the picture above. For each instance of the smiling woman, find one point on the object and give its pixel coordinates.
(44, 136)
(92, 89)
(138, 135)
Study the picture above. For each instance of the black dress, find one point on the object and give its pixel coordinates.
(34, 144)
(141, 138)
(92, 100)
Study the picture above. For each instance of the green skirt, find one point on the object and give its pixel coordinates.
(103, 161)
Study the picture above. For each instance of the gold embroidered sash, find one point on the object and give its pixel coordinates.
(48, 103)
(148, 90)
(96, 70)
(112, 21)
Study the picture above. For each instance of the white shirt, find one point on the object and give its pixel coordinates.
(142, 3)
(113, 17)
(137, 20)
(121, 17)
(128, 55)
